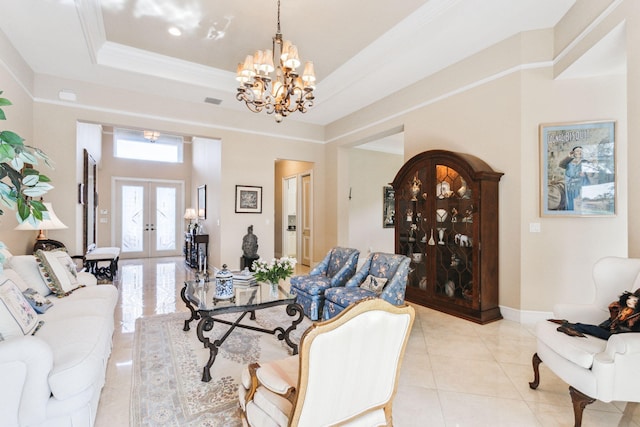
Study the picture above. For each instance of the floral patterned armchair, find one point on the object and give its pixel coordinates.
(334, 270)
(382, 275)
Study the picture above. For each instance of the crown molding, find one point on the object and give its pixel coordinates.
(90, 16)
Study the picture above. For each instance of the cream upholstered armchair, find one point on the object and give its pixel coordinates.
(363, 346)
(595, 369)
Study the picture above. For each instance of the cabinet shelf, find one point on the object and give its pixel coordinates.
(453, 198)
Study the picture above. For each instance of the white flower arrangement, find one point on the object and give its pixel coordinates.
(275, 270)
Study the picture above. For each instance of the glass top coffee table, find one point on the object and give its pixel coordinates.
(200, 298)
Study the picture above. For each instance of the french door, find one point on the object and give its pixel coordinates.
(147, 217)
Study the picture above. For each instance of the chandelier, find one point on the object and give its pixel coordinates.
(151, 135)
(285, 92)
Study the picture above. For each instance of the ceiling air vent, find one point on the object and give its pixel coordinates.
(214, 101)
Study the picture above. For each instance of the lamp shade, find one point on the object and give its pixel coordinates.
(190, 213)
(50, 223)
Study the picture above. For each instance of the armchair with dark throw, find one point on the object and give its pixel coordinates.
(382, 275)
(594, 368)
(365, 344)
(334, 270)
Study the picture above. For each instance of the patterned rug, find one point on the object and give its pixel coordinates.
(167, 368)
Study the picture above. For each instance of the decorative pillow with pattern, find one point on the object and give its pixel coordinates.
(374, 284)
(39, 303)
(58, 271)
(17, 317)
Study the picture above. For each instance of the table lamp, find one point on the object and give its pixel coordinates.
(190, 214)
(50, 223)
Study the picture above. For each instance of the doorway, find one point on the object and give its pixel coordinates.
(290, 218)
(147, 220)
(293, 231)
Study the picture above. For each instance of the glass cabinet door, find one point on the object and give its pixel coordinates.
(453, 222)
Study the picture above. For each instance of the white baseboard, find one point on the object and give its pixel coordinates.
(526, 317)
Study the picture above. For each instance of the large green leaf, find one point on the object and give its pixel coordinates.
(28, 157)
(23, 209)
(38, 190)
(30, 171)
(12, 138)
(17, 163)
(30, 180)
(7, 153)
(38, 152)
(38, 205)
(4, 101)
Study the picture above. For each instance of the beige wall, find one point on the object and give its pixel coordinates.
(489, 105)
(369, 172)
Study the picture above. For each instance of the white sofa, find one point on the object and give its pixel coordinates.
(54, 377)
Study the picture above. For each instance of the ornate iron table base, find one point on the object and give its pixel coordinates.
(207, 321)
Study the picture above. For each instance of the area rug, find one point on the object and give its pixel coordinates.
(167, 368)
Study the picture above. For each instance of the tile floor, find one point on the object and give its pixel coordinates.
(455, 373)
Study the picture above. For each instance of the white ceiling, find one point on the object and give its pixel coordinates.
(363, 50)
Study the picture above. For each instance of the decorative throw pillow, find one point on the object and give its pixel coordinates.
(26, 266)
(39, 303)
(374, 284)
(55, 268)
(17, 317)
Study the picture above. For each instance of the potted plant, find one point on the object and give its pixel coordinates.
(273, 271)
(20, 182)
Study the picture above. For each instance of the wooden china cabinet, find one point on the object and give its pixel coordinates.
(447, 223)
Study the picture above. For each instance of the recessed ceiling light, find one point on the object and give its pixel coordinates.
(175, 31)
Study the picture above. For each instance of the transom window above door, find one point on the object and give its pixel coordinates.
(132, 144)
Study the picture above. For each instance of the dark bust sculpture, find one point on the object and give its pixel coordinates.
(250, 244)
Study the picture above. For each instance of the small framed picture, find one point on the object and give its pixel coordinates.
(578, 169)
(248, 199)
(388, 207)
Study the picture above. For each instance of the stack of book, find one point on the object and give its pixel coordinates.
(244, 278)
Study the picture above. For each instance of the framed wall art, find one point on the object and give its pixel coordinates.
(248, 199)
(578, 170)
(202, 202)
(388, 207)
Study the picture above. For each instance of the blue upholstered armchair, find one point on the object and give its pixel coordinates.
(382, 275)
(334, 270)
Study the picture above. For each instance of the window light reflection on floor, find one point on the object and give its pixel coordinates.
(166, 288)
(131, 283)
